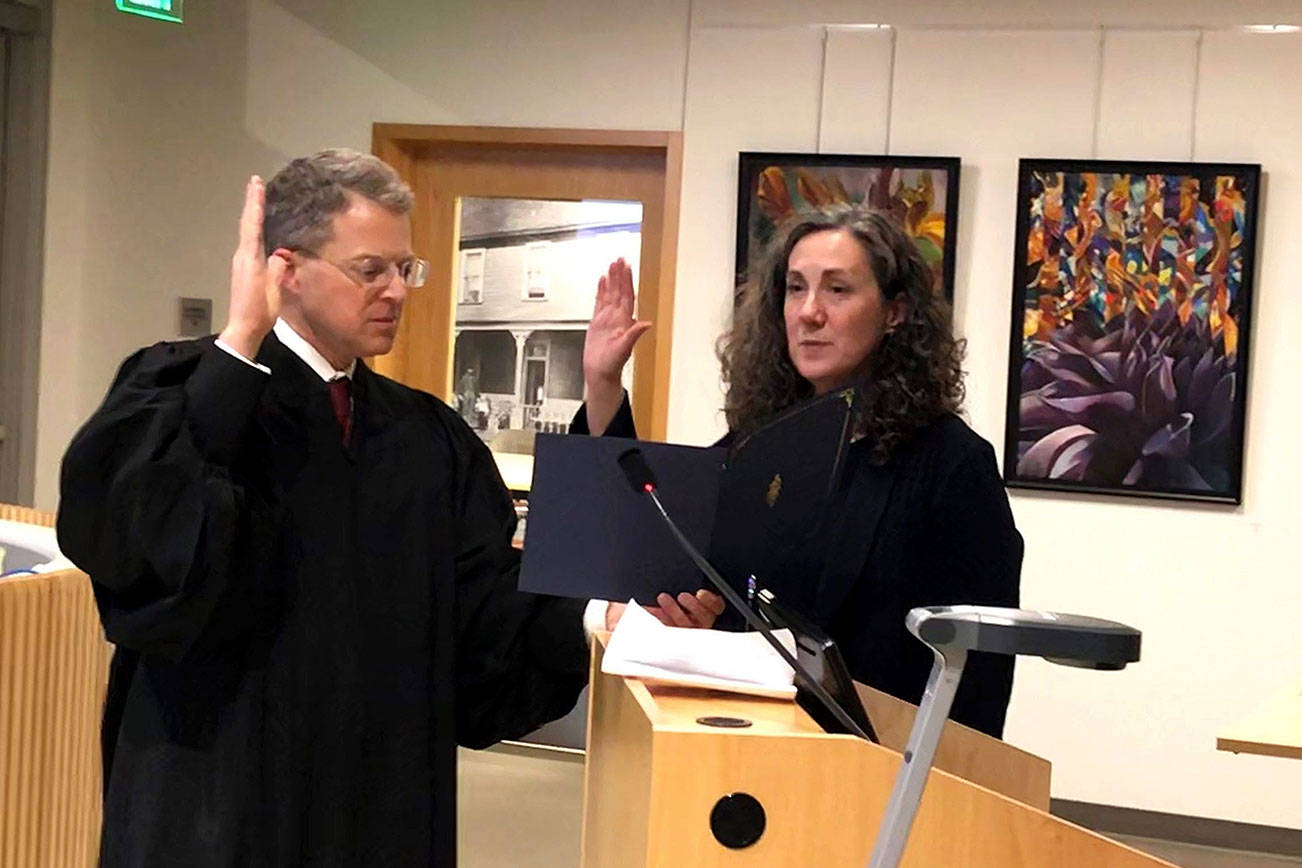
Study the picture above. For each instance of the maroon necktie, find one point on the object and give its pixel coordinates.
(343, 405)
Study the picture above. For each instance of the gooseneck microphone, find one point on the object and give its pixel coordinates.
(639, 476)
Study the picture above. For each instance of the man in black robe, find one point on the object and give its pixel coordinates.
(306, 567)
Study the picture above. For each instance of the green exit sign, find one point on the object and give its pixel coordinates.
(163, 10)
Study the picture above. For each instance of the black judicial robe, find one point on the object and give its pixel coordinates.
(932, 527)
(304, 631)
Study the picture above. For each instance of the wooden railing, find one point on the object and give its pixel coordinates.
(26, 514)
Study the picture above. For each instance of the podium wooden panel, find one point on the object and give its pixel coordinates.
(53, 673)
(653, 774)
(964, 752)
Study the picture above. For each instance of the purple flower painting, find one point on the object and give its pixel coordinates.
(1130, 328)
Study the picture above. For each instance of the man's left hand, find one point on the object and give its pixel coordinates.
(686, 610)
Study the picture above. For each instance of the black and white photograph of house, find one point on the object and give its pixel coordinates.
(526, 280)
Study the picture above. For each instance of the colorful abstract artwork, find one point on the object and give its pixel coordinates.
(1129, 340)
(920, 193)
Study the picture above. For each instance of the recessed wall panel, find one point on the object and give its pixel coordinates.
(747, 90)
(855, 117)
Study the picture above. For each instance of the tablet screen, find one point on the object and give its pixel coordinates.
(819, 656)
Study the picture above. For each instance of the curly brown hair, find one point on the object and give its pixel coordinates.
(917, 371)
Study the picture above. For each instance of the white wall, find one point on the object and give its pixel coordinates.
(147, 158)
(1213, 588)
(153, 128)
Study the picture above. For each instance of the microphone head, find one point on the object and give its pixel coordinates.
(637, 471)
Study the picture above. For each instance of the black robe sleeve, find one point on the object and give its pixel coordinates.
(522, 659)
(620, 426)
(150, 506)
(977, 553)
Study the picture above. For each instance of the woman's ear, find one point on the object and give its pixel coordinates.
(897, 309)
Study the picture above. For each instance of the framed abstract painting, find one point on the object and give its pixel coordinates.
(1131, 315)
(920, 193)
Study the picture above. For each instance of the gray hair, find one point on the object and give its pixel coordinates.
(304, 197)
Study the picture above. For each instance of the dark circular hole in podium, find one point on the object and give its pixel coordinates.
(737, 820)
(724, 721)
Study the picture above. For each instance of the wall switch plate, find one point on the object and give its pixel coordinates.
(196, 317)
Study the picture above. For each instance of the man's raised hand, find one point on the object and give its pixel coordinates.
(255, 279)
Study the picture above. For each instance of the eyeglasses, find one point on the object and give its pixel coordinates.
(375, 273)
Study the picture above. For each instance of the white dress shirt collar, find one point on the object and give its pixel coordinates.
(299, 346)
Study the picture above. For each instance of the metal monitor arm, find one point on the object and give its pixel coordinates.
(951, 632)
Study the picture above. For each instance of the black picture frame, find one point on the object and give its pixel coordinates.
(1130, 327)
(850, 178)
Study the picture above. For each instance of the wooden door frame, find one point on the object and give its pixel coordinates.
(26, 109)
(401, 145)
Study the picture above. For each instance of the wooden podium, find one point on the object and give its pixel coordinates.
(654, 775)
(53, 672)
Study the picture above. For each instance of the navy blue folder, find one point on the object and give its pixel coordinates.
(756, 508)
(590, 535)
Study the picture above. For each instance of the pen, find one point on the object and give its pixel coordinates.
(750, 593)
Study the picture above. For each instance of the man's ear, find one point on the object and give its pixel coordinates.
(289, 273)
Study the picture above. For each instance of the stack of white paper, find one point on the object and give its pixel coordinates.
(644, 648)
(29, 548)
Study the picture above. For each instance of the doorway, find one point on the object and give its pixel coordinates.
(535, 382)
(453, 172)
(24, 107)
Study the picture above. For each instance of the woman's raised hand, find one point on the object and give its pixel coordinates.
(609, 344)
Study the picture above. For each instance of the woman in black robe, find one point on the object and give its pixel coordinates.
(920, 516)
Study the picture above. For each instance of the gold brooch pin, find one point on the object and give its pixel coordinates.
(775, 488)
